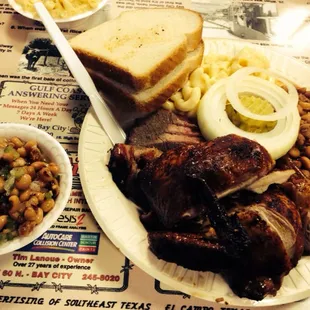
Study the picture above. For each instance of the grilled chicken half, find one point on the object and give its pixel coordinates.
(226, 164)
(273, 224)
(198, 214)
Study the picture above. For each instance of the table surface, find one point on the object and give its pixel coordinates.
(90, 272)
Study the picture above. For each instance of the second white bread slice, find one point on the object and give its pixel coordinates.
(141, 46)
(152, 98)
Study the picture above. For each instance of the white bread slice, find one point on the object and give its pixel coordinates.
(140, 46)
(151, 98)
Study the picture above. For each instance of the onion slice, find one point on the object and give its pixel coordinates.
(243, 77)
(213, 120)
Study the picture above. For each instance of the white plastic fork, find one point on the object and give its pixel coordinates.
(105, 117)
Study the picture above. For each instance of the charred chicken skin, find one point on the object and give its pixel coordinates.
(273, 225)
(226, 164)
(198, 216)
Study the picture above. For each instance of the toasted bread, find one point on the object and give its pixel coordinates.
(140, 47)
(151, 98)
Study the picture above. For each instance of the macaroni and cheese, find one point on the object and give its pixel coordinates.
(214, 67)
(60, 8)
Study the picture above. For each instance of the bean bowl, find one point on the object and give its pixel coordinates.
(41, 169)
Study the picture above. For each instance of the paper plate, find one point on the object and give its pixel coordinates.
(55, 153)
(119, 219)
(74, 18)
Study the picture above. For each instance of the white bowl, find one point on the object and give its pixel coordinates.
(56, 153)
(74, 18)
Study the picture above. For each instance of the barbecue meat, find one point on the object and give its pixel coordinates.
(125, 163)
(193, 251)
(298, 188)
(290, 230)
(195, 209)
(165, 130)
(273, 224)
(226, 164)
(229, 163)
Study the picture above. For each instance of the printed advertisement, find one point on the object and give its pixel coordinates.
(118, 6)
(74, 264)
(282, 25)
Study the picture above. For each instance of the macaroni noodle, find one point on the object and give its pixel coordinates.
(213, 68)
(60, 8)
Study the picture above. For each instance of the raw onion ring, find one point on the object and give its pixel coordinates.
(235, 81)
(213, 120)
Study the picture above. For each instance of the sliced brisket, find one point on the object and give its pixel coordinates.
(164, 130)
